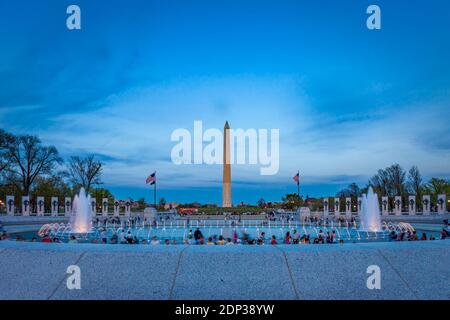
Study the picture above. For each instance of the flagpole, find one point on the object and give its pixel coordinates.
(298, 184)
(154, 191)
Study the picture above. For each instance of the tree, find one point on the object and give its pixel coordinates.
(438, 186)
(84, 172)
(292, 200)
(389, 181)
(29, 159)
(261, 203)
(352, 191)
(162, 203)
(415, 183)
(5, 141)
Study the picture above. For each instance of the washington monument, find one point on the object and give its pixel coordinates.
(226, 183)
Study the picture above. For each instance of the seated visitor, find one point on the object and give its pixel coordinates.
(287, 238)
(122, 239)
(154, 241)
(210, 241)
(34, 239)
(46, 239)
(392, 236)
(20, 238)
(198, 235)
(167, 241)
(4, 236)
(135, 240)
(114, 239)
(295, 237)
(444, 234)
(413, 236)
(144, 241)
(229, 241)
(129, 237)
(221, 241)
(424, 236)
(73, 239)
(273, 240)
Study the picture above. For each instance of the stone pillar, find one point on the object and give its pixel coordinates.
(441, 204)
(128, 208)
(116, 208)
(426, 201)
(325, 207)
(25, 205)
(67, 206)
(10, 205)
(359, 205)
(348, 208)
(385, 206)
(94, 206)
(336, 207)
(55, 206)
(412, 205)
(40, 206)
(398, 205)
(105, 207)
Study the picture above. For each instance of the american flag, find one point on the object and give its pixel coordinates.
(297, 177)
(151, 179)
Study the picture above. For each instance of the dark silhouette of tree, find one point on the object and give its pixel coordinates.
(29, 159)
(84, 172)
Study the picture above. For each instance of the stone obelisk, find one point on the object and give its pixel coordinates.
(226, 183)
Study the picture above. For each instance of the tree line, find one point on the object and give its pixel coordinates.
(28, 167)
(396, 181)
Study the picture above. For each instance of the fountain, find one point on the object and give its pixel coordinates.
(370, 212)
(81, 218)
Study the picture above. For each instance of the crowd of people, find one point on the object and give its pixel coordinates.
(196, 237)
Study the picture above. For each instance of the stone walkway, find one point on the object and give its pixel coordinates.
(409, 270)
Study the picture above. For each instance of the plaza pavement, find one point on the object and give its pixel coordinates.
(409, 270)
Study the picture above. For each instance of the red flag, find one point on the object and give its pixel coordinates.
(297, 177)
(151, 179)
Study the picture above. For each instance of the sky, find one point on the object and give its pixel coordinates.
(347, 100)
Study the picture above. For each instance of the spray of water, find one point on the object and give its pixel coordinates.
(370, 212)
(81, 218)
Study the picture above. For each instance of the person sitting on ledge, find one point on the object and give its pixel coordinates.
(56, 240)
(295, 237)
(129, 237)
(135, 240)
(229, 241)
(114, 238)
(198, 235)
(46, 239)
(413, 236)
(167, 242)
(202, 241)
(444, 234)
(210, 241)
(144, 241)
(73, 239)
(34, 239)
(424, 236)
(401, 236)
(287, 238)
(274, 240)
(154, 241)
(4, 236)
(432, 237)
(392, 236)
(221, 241)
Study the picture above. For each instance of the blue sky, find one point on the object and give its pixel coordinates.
(347, 100)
